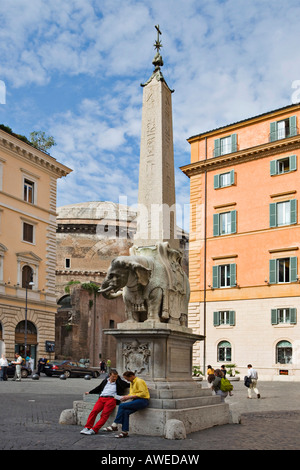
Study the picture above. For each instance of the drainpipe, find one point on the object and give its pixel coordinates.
(204, 261)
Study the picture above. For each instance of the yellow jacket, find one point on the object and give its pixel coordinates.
(139, 388)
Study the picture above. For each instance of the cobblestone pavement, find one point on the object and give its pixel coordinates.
(30, 412)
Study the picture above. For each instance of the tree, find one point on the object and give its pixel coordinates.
(39, 140)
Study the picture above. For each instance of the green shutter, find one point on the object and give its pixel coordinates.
(217, 149)
(274, 316)
(216, 181)
(273, 214)
(234, 142)
(232, 177)
(216, 228)
(293, 162)
(273, 131)
(233, 221)
(293, 125)
(215, 277)
(216, 318)
(273, 167)
(293, 206)
(293, 269)
(232, 275)
(232, 318)
(293, 316)
(272, 271)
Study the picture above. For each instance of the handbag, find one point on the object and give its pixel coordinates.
(247, 381)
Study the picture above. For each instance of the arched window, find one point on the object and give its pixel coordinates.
(27, 276)
(224, 351)
(284, 352)
(31, 329)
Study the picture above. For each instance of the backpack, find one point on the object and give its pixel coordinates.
(226, 386)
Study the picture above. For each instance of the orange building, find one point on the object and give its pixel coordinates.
(28, 306)
(244, 244)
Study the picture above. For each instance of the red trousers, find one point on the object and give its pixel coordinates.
(104, 404)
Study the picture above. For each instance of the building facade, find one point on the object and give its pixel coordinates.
(244, 244)
(27, 247)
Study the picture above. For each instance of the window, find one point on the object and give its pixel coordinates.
(27, 276)
(28, 191)
(284, 352)
(284, 128)
(283, 270)
(226, 317)
(224, 276)
(224, 351)
(283, 213)
(68, 263)
(284, 315)
(27, 232)
(224, 179)
(225, 145)
(283, 165)
(224, 223)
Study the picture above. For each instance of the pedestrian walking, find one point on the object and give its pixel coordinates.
(139, 399)
(216, 385)
(210, 374)
(223, 369)
(41, 365)
(253, 375)
(110, 391)
(18, 364)
(3, 368)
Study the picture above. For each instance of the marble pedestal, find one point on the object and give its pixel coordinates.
(161, 354)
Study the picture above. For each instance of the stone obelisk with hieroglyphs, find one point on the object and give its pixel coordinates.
(156, 197)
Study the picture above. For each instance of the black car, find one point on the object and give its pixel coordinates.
(25, 371)
(69, 369)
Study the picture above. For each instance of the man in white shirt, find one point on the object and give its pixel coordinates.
(252, 373)
(18, 364)
(110, 391)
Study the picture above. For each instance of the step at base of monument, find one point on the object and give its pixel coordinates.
(152, 422)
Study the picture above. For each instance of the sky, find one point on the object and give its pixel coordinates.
(73, 69)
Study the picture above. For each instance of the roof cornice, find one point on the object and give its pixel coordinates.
(242, 156)
(16, 147)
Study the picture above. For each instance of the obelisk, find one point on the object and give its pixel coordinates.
(156, 195)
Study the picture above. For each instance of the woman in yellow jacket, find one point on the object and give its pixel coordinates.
(139, 398)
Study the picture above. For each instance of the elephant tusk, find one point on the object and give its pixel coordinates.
(101, 291)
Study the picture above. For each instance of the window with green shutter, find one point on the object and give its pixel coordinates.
(224, 223)
(222, 180)
(225, 145)
(283, 270)
(224, 276)
(283, 316)
(283, 213)
(283, 129)
(224, 317)
(283, 165)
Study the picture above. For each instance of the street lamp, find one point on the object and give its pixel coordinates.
(30, 283)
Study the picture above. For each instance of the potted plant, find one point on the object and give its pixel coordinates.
(232, 371)
(197, 374)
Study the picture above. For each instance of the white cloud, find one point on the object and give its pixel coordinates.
(226, 59)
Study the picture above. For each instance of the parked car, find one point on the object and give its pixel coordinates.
(25, 371)
(69, 369)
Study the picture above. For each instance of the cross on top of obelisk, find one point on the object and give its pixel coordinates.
(157, 43)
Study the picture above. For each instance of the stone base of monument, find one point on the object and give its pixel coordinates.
(162, 356)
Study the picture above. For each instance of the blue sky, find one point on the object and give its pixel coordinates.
(73, 69)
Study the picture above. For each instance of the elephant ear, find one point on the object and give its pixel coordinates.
(142, 273)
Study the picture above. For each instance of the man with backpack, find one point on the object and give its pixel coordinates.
(220, 385)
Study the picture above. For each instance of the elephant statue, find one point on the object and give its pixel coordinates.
(153, 284)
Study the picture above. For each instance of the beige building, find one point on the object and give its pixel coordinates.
(27, 247)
